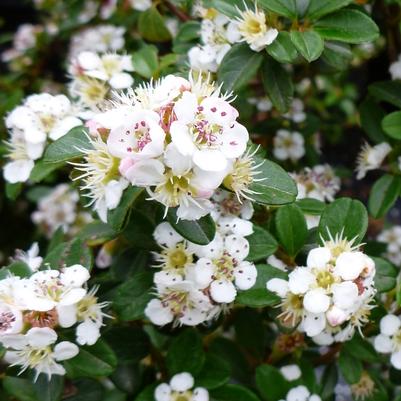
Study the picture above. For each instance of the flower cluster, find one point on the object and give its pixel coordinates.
(389, 339)
(33, 308)
(288, 145)
(196, 282)
(39, 118)
(178, 138)
(59, 208)
(181, 388)
(392, 238)
(330, 297)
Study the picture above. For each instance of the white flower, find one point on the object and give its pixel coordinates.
(291, 372)
(36, 350)
(252, 27)
(389, 339)
(140, 5)
(180, 386)
(48, 288)
(207, 131)
(109, 67)
(11, 320)
(296, 112)
(395, 69)
(272, 260)
(392, 237)
(371, 158)
(30, 257)
(288, 145)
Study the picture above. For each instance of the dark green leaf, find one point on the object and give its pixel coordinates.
(383, 195)
(189, 342)
(386, 275)
(371, 116)
(360, 348)
(258, 296)
(199, 232)
(346, 216)
(328, 382)
(151, 26)
(271, 383)
(337, 55)
(350, 367)
(278, 84)
(21, 389)
(261, 244)
(282, 48)
(387, 91)
(49, 390)
(13, 190)
(311, 206)
(286, 8)
(86, 390)
(68, 146)
(231, 392)
(226, 7)
(238, 66)
(277, 187)
(392, 125)
(215, 372)
(291, 228)
(42, 170)
(347, 25)
(308, 43)
(319, 8)
(145, 61)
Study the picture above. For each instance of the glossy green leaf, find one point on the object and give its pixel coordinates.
(151, 26)
(392, 125)
(387, 91)
(199, 232)
(319, 8)
(238, 67)
(386, 275)
(278, 84)
(384, 194)
(42, 170)
(344, 216)
(309, 44)
(21, 389)
(261, 244)
(350, 367)
(371, 115)
(215, 372)
(337, 55)
(231, 392)
(145, 61)
(347, 25)
(68, 147)
(271, 383)
(286, 8)
(282, 49)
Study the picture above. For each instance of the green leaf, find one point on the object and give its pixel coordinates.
(261, 244)
(21, 389)
(328, 382)
(199, 232)
(238, 67)
(277, 187)
(118, 217)
(346, 216)
(361, 349)
(282, 49)
(371, 116)
(383, 195)
(96, 360)
(97, 233)
(350, 367)
(86, 390)
(387, 91)
(231, 392)
(337, 55)
(131, 297)
(286, 8)
(68, 146)
(308, 43)
(271, 383)
(186, 36)
(148, 394)
(347, 25)
(319, 8)
(278, 84)
(187, 343)
(227, 7)
(386, 275)
(291, 228)
(258, 296)
(42, 170)
(311, 206)
(13, 190)
(49, 390)
(17, 268)
(145, 61)
(392, 125)
(151, 26)
(215, 372)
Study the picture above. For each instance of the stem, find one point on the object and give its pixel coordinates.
(177, 11)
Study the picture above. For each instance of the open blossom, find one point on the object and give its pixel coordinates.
(37, 349)
(389, 339)
(140, 5)
(288, 145)
(31, 257)
(296, 112)
(59, 208)
(331, 293)
(109, 67)
(301, 393)
(181, 387)
(252, 26)
(392, 237)
(371, 158)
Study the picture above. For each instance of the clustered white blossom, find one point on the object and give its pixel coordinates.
(296, 112)
(177, 138)
(392, 237)
(59, 208)
(331, 296)
(389, 339)
(195, 283)
(371, 158)
(218, 33)
(288, 145)
(301, 393)
(41, 117)
(181, 388)
(33, 308)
